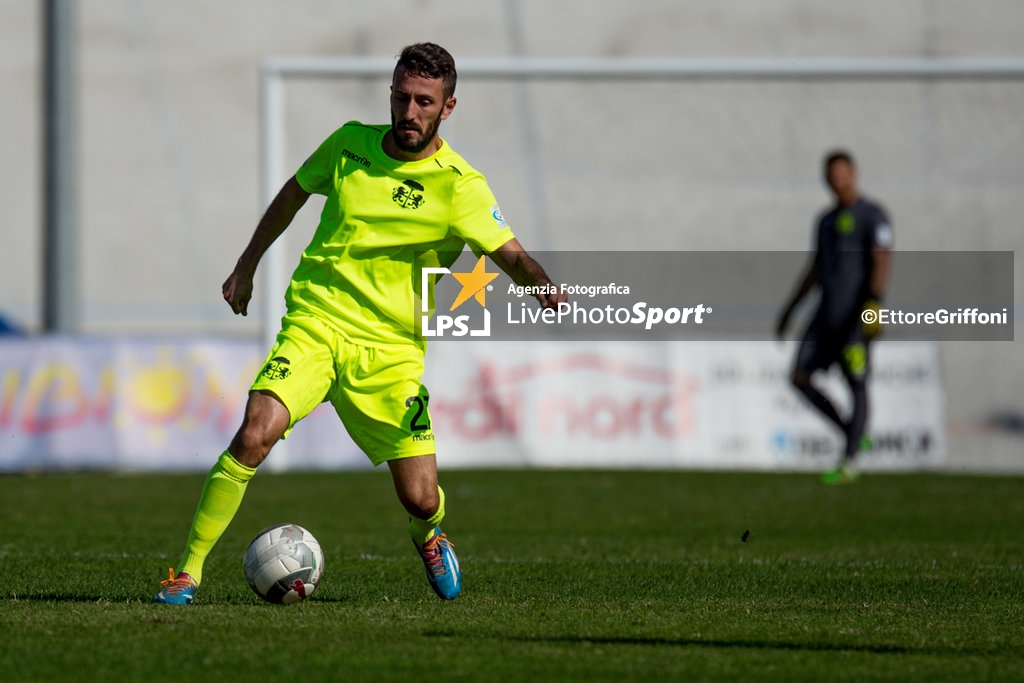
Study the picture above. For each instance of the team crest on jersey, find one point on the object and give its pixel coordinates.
(277, 368)
(408, 195)
(845, 223)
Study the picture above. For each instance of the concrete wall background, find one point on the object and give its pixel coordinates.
(169, 155)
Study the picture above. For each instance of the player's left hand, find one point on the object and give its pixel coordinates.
(870, 318)
(237, 291)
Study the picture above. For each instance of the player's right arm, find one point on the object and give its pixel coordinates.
(237, 289)
(807, 282)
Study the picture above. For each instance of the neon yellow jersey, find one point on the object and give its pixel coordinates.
(381, 218)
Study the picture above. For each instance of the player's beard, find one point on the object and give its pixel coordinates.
(428, 136)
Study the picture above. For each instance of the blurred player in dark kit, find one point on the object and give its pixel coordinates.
(851, 269)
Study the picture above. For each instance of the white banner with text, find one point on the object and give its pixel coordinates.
(174, 405)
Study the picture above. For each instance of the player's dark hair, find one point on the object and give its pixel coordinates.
(429, 60)
(838, 155)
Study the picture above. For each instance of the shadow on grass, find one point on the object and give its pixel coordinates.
(61, 597)
(122, 598)
(882, 649)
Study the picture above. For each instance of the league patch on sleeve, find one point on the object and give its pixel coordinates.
(883, 235)
(498, 218)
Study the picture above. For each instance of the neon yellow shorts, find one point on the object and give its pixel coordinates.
(376, 392)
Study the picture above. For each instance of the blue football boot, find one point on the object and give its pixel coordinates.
(177, 590)
(442, 566)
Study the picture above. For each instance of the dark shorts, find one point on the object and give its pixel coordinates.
(821, 349)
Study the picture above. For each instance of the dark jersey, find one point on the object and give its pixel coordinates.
(846, 237)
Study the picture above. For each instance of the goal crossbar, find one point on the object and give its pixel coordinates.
(609, 68)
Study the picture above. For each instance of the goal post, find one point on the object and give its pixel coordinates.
(277, 72)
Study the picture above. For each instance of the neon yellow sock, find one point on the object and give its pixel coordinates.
(423, 529)
(222, 494)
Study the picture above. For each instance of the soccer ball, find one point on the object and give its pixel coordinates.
(284, 563)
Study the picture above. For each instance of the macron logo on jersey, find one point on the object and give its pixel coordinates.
(362, 161)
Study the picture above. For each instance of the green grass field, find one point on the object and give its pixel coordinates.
(631, 576)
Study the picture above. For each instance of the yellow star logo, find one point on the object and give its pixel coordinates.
(474, 284)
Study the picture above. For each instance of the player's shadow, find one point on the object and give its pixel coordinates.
(739, 644)
(128, 598)
(52, 596)
(730, 644)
